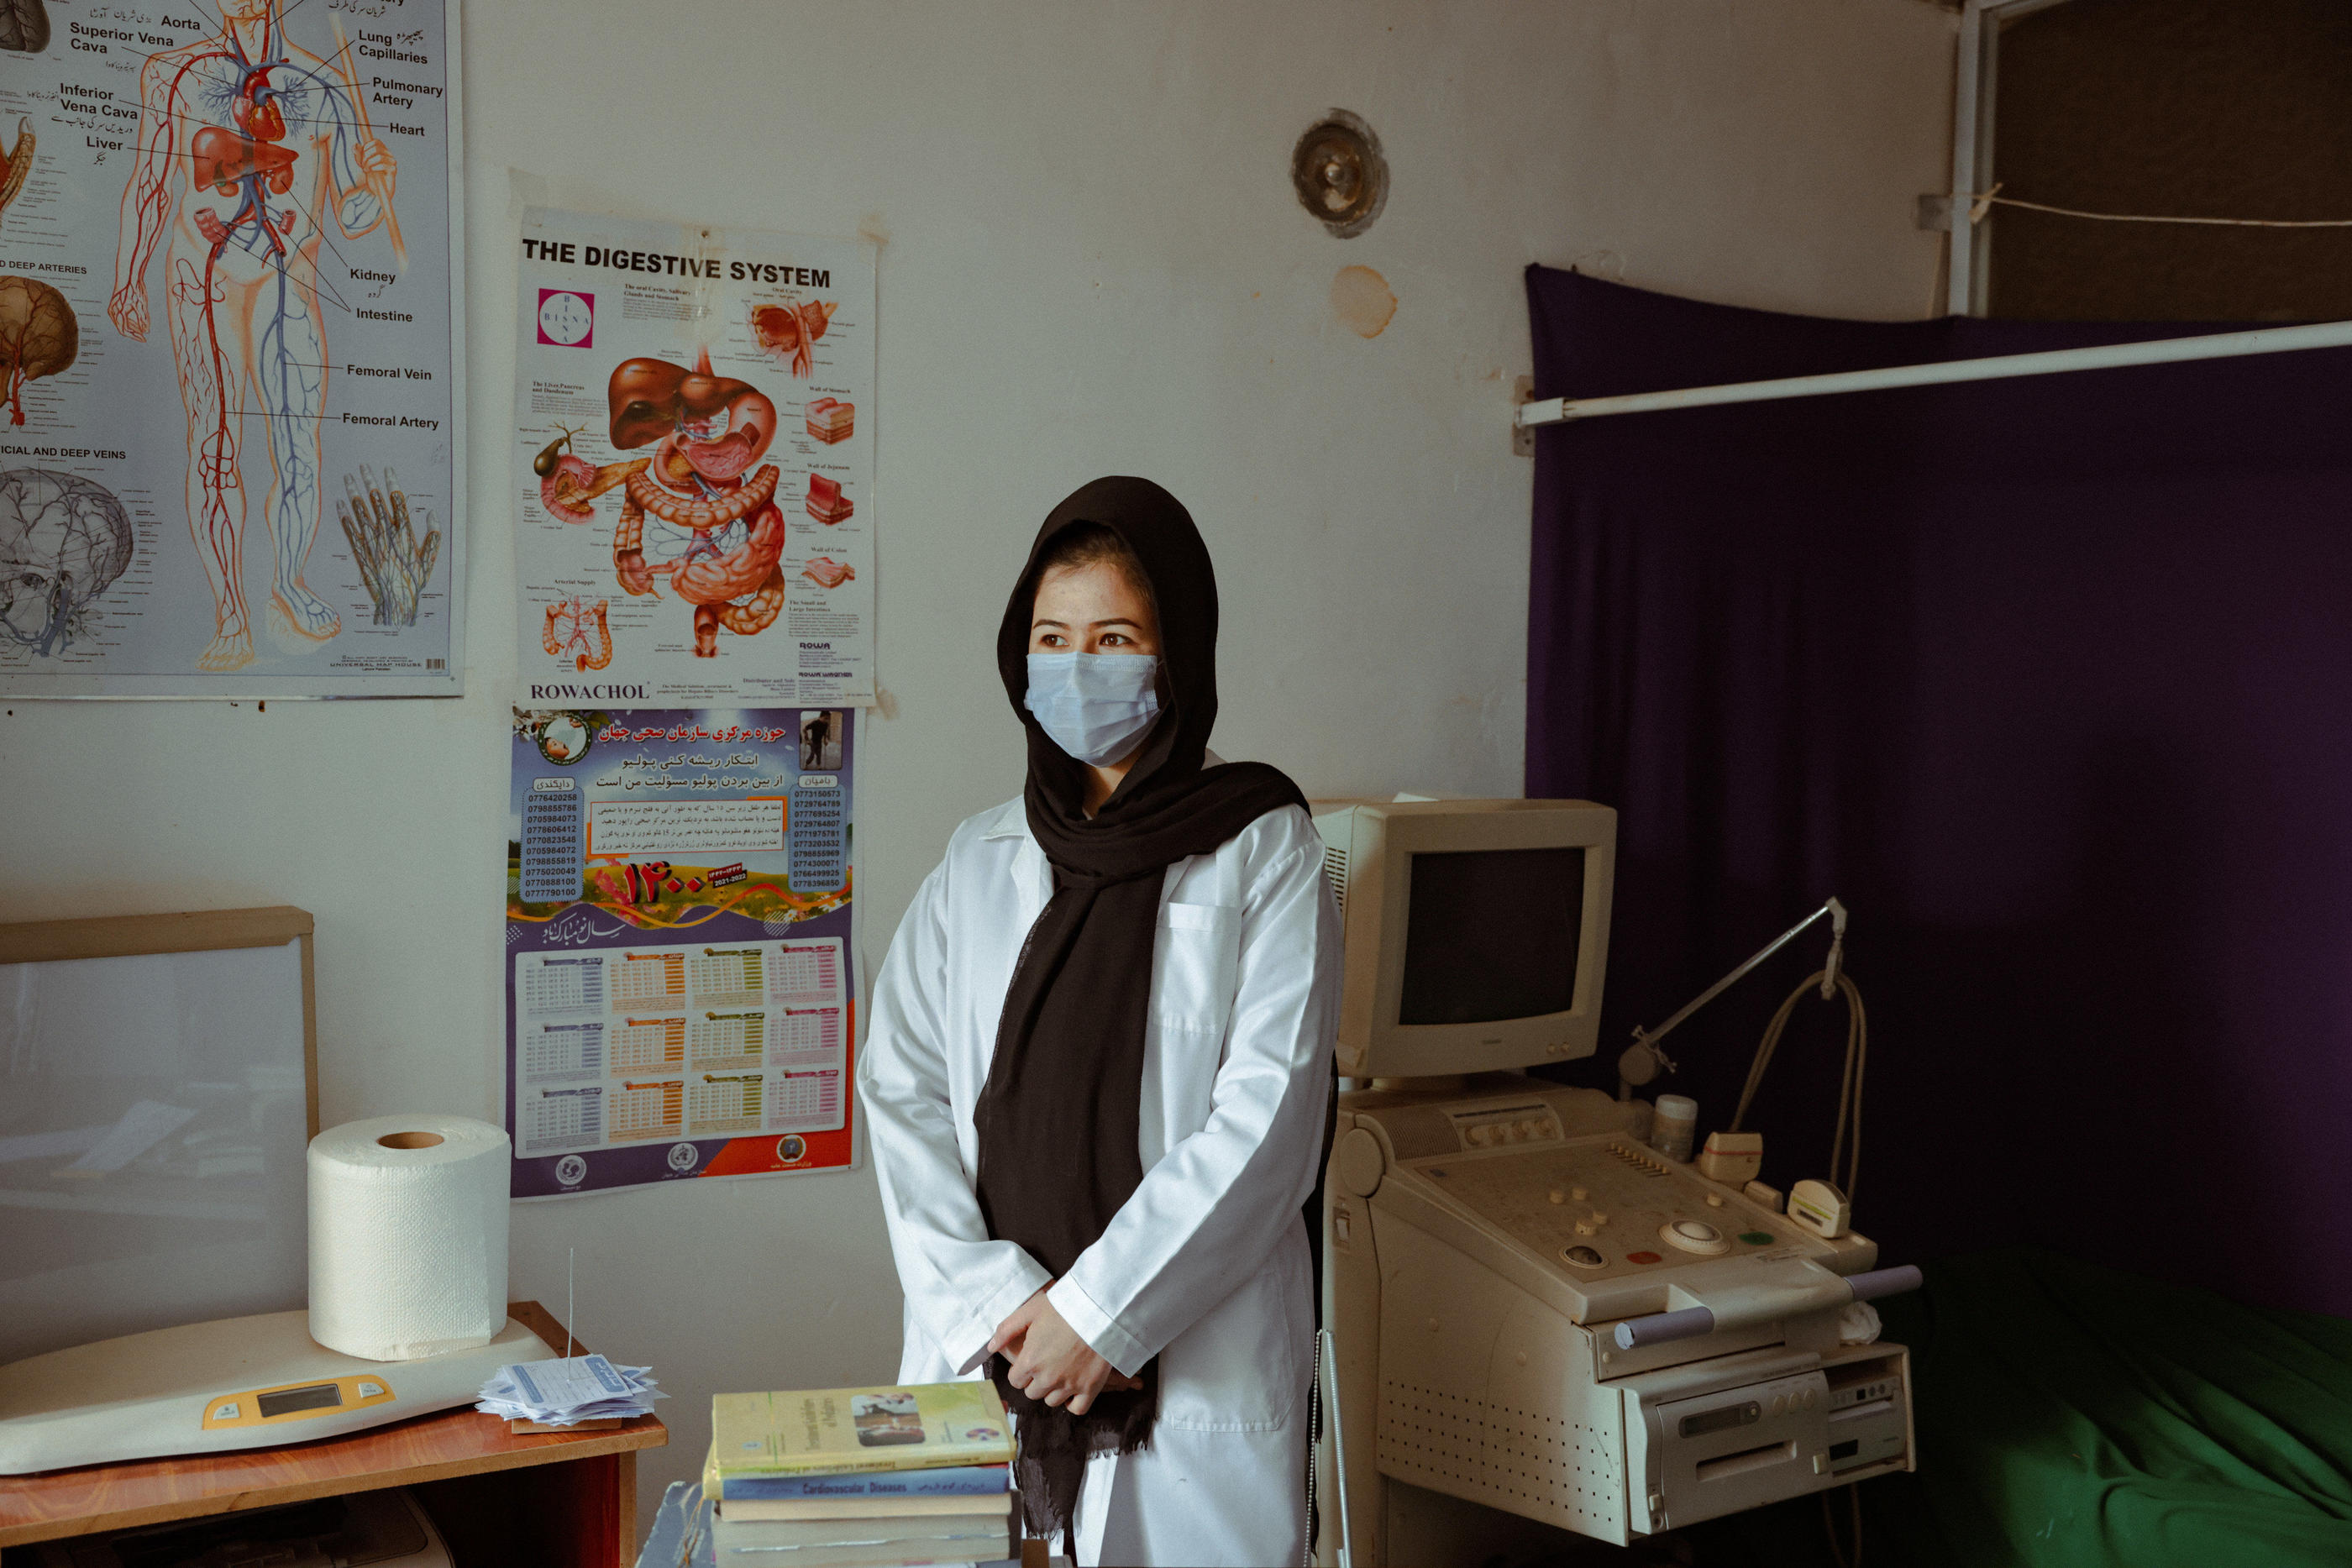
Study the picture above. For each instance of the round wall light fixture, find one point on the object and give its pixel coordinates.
(1340, 176)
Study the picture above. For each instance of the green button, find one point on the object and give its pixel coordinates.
(1757, 1238)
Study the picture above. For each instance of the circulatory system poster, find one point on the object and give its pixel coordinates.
(694, 456)
(229, 322)
(680, 990)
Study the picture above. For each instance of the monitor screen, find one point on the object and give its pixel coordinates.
(1492, 934)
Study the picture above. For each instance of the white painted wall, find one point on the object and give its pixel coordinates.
(1094, 265)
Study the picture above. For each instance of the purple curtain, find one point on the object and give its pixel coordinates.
(2050, 680)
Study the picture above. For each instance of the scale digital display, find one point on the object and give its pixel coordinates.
(286, 1401)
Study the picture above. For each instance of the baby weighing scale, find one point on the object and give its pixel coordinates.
(237, 1383)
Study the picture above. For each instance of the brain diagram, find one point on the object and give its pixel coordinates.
(38, 337)
(63, 541)
(23, 26)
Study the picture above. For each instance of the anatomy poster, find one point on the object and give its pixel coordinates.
(681, 994)
(229, 318)
(695, 498)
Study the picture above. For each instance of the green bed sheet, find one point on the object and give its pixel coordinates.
(2071, 1416)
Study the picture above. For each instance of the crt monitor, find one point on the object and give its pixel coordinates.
(1477, 931)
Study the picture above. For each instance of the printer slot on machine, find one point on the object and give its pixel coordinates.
(1531, 1308)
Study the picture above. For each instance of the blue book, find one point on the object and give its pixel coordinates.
(951, 1481)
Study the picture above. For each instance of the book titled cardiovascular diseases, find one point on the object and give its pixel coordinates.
(932, 1439)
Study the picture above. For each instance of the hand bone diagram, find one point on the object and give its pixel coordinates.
(694, 512)
(393, 566)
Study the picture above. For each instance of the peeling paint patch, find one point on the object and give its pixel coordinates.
(1360, 298)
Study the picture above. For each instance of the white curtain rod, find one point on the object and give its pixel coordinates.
(1998, 367)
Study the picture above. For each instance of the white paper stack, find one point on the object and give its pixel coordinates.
(565, 1392)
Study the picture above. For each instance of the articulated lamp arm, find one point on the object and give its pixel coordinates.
(1642, 1060)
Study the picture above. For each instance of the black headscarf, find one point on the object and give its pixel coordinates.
(1058, 1117)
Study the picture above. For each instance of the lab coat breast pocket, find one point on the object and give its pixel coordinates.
(1195, 958)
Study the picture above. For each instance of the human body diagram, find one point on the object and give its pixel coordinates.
(694, 513)
(250, 147)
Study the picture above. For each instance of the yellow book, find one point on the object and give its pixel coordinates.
(841, 1431)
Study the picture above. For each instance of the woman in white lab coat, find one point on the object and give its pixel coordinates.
(1098, 1067)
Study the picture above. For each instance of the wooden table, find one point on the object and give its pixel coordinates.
(563, 1501)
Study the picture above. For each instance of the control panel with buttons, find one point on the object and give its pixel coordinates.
(295, 1402)
(1501, 1126)
(1489, 1241)
(1596, 1207)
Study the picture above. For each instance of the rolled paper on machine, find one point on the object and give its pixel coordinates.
(408, 1236)
(1691, 1322)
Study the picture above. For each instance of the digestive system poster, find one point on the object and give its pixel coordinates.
(694, 461)
(681, 990)
(229, 318)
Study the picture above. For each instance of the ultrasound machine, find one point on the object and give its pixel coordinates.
(1534, 1313)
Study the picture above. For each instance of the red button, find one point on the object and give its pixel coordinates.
(1640, 1257)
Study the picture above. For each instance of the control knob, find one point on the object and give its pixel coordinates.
(1695, 1236)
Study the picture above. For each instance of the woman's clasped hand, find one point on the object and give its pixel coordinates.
(1050, 1363)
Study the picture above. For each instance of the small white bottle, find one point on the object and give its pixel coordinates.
(1674, 1127)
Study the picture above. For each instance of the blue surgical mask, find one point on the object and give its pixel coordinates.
(1096, 706)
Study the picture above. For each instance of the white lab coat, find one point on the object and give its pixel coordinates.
(1206, 1264)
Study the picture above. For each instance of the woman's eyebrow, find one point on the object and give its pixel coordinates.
(1117, 621)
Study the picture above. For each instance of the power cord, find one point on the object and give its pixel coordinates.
(1827, 982)
(1829, 1527)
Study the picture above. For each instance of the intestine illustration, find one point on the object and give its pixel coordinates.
(827, 572)
(715, 534)
(16, 163)
(577, 628)
(38, 337)
(787, 332)
(63, 541)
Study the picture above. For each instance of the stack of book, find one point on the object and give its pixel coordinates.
(861, 1477)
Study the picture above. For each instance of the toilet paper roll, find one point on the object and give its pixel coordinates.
(408, 1236)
